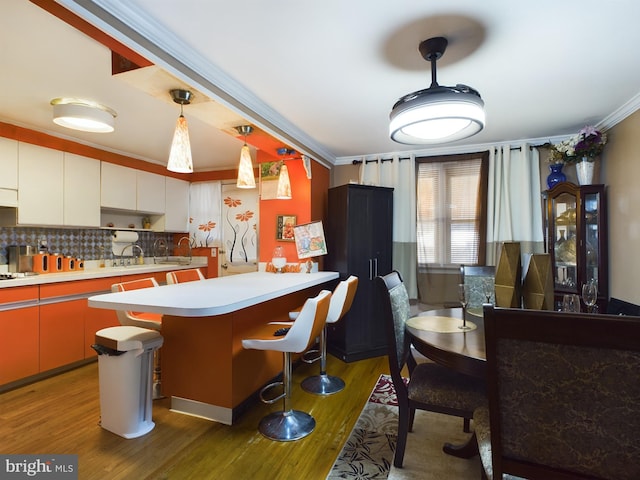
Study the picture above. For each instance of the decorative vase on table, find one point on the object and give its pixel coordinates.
(584, 170)
(556, 176)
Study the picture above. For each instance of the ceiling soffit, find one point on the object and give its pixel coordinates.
(133, 28)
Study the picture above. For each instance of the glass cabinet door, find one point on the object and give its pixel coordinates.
(576, 235)
(564, 249)
(592, 250)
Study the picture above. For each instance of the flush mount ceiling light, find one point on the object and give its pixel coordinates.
(83, 115)
(180, 155)
(246, 179)
(437, 114)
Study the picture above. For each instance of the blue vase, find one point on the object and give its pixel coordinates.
(556, 175)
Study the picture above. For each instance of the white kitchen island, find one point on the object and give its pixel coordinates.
(205, 370)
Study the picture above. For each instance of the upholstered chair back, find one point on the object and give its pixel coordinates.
(563, 394)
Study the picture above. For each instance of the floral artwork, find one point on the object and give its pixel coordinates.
(240, 226)
(207, 228)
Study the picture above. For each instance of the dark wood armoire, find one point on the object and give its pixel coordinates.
(359, 242)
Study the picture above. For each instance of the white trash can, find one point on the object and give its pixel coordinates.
(125, 366)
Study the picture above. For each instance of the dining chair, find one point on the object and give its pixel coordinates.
(477, 276)
(152, 321)
(563, 395)
(430, 386)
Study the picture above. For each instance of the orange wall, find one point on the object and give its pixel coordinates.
(299, 205)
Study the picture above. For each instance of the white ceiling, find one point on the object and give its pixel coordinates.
(323, 76)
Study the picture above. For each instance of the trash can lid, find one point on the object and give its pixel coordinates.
(125, 338)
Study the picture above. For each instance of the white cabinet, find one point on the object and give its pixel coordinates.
(56, 188)
(150, 193)
(124, 188)
(81, 191)
(176, 215)
(9, 177)
(40, 185)
(9, 163)
(118, 187)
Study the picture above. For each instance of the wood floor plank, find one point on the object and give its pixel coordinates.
(61, 415)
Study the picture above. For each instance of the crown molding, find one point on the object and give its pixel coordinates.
(135, 29)
(607, 123)
(620, 114)
(452, 150)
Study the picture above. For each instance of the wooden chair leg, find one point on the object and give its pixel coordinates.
(412, 414)
(403, 429)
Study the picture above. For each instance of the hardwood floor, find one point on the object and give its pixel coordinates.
(60, 415)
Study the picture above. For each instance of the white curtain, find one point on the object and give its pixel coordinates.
(204, 214)
(514, 211)
(399, 175)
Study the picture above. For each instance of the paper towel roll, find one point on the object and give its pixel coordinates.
(120, 236)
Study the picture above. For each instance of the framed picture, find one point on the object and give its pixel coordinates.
(269, 173)
(284, 227)
(310, 240)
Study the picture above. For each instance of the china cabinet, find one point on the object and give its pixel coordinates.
(576, 239)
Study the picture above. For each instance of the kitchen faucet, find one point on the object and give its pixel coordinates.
(133, 246)
(160, 246)
(188, 250)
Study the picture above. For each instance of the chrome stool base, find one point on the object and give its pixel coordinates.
(287, 426)
(322, 384)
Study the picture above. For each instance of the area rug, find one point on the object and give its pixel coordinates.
(368, 452)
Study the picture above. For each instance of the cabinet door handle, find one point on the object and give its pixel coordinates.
(370, 269)
(375, 260)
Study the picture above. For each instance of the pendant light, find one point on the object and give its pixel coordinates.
(246, 179)
(437, 114)
(83, 115)
(283, 191)
(180, 155)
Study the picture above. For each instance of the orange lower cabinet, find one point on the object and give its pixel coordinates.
(61, 333)
(18, 343)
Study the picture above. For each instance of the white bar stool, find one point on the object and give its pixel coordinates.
(288, 424)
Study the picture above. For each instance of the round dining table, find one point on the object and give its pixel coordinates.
(462, 351)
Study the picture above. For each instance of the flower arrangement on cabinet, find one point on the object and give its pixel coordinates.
(587, 144)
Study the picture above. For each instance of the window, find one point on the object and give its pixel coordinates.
(451, 209)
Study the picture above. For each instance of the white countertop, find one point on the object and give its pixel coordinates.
(88, 274)
(214, 296)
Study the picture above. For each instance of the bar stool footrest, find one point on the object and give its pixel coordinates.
(322, 384)
(287, 426)
(269, 401)
(307, 359)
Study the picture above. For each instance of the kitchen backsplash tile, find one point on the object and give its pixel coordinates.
(81, 243)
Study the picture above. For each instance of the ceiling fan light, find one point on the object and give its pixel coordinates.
(246, 178)
(83, 116)
(437, 115)
(283, 192)
(180, 160)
